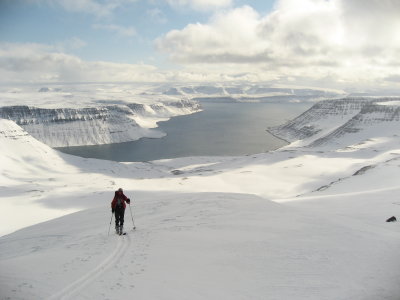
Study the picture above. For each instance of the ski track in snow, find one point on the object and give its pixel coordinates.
(72, 289)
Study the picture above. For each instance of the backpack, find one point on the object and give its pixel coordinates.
(120, 202)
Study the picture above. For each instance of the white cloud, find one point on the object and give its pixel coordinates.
(35, 63)
(157, 15)
(120, 30)
(335, 43)
(349, 42)
(85, 6)
(43, 63)
(71, 44)
(227, 38)
(202, 5)
(94, 7)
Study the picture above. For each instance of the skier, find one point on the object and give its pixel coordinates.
(118, 207)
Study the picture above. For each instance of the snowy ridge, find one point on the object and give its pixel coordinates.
(60, 127)
(248, 93)
(372, 117)
(329, 121)
(243, 90)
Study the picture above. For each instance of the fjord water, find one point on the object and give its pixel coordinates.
(221, 129)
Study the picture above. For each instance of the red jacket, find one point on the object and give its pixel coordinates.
(115, 200)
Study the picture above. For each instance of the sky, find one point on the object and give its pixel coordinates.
(345, 44)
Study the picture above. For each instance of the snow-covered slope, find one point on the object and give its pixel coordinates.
(205, 246)
(109, 124)
(332, 122)
(296, 223)
(320, 118)
(32, 173)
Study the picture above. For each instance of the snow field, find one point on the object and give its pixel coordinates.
(296, 223)
(203, 246)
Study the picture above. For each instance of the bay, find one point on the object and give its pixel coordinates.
(221, 129)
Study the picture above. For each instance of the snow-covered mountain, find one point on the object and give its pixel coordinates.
(306, 221)
(92, 114)
(108, 124)
(336, 121)
(74, 115)
(248, 92)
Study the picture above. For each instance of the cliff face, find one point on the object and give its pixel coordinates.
(59, 127)
(331, 121)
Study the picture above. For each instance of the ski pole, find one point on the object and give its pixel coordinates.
(110, 224)
(133, 222)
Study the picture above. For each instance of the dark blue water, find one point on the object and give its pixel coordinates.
(221, 129)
